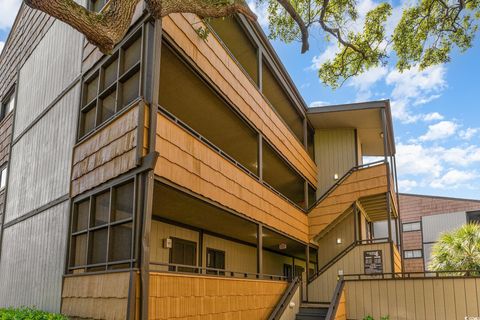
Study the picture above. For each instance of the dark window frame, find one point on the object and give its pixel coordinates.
(475, 218)
(413, 257)
(215, 252)
(2, 169)
(5, 103)
(122, 76)
(195, 257)
(410, 223)
(91, 228)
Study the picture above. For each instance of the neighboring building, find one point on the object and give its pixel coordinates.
(181, 178)
(424, 218)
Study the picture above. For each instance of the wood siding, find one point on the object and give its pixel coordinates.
(397, 260)
(103, 296)
(111, 151)
(33, 260)
(414, 299)
(341, 313)
(35, 234)
(41, 160)
(192, 164)
(53, 66)
(323, 287)
(223, 71)
(334, 154)
(186, 297)
(362, 183)
(328, 248)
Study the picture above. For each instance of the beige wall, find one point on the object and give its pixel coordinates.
(238, 257)
(419, 299)
(334, 153)
(327, 245)
(323, 287)
(290, 312)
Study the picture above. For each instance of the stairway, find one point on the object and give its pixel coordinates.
(311, 312)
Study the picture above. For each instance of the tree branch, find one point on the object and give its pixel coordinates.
(301, 24)
(104, 29)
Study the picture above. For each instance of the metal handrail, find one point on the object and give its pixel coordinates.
(414, 275)
(285, 299)
(337, 295)
(342, 179)
(174, 268)
(344, 252)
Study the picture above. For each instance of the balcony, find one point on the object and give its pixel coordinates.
(367, 187)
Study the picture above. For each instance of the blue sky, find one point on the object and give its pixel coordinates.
(436, 111)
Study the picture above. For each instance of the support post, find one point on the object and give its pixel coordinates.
(307, 270)
(200, 251)
(145, 244)
(355, 223)
(260, 249)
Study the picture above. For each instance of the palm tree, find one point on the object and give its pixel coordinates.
(458, 250)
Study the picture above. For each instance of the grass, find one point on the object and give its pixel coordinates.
(25, 313)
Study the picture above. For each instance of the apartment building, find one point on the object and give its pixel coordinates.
(425, 218)
(183, 178)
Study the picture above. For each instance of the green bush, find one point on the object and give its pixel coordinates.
(28, 314)
(371, 318)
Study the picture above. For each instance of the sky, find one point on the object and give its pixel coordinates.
(436, 111)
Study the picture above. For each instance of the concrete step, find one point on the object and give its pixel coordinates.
(311, 313)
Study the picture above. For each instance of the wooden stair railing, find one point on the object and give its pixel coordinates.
(285, 299)
(337, 296)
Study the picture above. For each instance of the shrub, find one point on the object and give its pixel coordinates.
(25, 313)
(371, 318)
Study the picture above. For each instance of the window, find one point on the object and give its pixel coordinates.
(245, 51)
(311, 142)
(281, 102)
(205, 112)
(412, 226)
(3, 178)
(282, 177)
(102, 230)
(183, 253)
(215, 260)
(473, 217)
(7, 106)
(113, 86)
(312, 196)
(412, 254)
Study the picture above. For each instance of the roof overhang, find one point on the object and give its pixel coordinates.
(366, 117)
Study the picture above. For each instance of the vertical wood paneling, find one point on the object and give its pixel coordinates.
(185, 297)
(323, 287)
(33, 259)
(334, 154)
(41, 161)
(50, 69)
(413, 299)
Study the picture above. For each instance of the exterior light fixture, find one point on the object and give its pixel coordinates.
(381, 135)
(339, 240)
(282, 246)
(335, 176)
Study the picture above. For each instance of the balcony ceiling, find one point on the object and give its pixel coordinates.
(365, 117)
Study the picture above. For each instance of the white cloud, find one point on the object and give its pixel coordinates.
(441, 130)
(407, 185)
(454, 179)
(460, 156)
(366, 80)
(433, 116)
(318, 104)
(8, 12)
(329, 53)
(2, 44)
(261, 12)
(415, 87)
(415, 159)
(469, 133)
